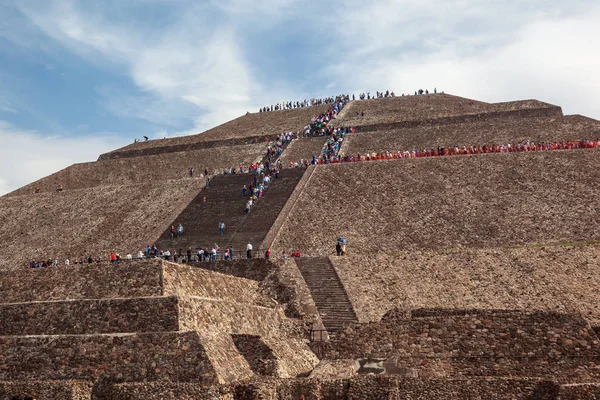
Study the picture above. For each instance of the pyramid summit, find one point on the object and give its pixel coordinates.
(401, 246)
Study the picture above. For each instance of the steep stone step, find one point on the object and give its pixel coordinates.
(255, 226)
(224, 202)
(328, 292)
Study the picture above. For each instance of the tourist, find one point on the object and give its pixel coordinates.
(179, 230)
(338, 249)
(249, 250)
(221, 227)
(172, 232)
(268, 254)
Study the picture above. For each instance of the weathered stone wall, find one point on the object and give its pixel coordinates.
(161, 168)
(260, 357)
(479, 132)
(410, 110)
(166, 390)
(254, 269)
(95, 281)
(229, 364)
(560, 278)
(178, 145)
(185, 280)
(358, 388)
(475, 342)
(77, 317)
(446, 203)
(468, 333)
(579, 391)
(123, 357)
(303, 148)
(47, 390)
(469, 117)
(80, 223)
(294, 356)
(228, 316)
(253, 125)
(285, 211)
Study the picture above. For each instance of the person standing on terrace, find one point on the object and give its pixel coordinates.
(179, 230)
(249, 250)
(221, 227)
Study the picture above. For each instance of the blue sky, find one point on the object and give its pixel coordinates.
(78, 78)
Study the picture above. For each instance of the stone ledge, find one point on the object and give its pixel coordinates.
(364, 388)
(77, 317)
(177, 356)
(95, 281)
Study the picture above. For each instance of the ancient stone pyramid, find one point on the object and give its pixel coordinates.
(466, 276)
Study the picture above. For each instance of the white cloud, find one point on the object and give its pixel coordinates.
(27, 156)
(536, 53)
(195, 60)
(7, 109)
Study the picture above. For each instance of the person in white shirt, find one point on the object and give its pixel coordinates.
(249, 250)
(67, 261)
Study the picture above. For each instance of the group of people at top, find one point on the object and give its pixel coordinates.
(301, 104)
(379, 95)
(289, 105)
(528, 146)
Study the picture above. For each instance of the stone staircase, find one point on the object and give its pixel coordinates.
(224, 202)
(255, 226)
(327, 292)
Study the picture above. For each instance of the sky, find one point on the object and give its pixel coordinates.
(80, 78)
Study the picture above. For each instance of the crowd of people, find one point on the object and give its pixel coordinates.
(528, 146)
(379, 95)
(200, 254)
(289, 105)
